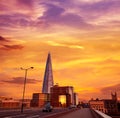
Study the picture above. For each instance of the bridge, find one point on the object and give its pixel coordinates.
(56, 113)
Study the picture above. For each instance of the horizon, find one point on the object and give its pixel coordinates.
(83, 39)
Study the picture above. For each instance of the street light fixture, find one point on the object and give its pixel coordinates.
(26, 69)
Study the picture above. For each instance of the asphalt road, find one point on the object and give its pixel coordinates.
(82, 113)
(56, 113)
(31, 113)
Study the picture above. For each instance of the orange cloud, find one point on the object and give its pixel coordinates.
(11, 47)
(20, 80)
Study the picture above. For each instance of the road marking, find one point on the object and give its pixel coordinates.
(33, 116)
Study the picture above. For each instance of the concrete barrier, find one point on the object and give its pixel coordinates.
(99, 114)
(102, 114)
(95, 114)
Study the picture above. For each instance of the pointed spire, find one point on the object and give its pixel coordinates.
(48, 76)
(114, 96)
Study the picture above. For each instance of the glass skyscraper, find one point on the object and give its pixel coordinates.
(48, 76)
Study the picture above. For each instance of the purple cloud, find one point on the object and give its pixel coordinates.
(101, 8)
(90, 10)
(4, 44)
(28, 3)
(20, 80)
(3, 7)
(56, 12)
(14, 20)
(59, 2)
(56, 15)
(2, 39)
(53, 11)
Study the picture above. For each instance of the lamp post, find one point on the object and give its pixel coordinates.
(26, 69)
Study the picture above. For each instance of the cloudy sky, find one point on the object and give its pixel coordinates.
(83, 37)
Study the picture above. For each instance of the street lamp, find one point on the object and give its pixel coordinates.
(26, 69)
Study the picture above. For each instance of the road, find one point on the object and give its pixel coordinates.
(115, 116)
(56, 113)
(82, 113)
(31, 113)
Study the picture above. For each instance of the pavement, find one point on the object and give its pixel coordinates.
(82, 113)
(31, 113)
(56, 113)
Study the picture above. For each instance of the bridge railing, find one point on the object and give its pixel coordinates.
(99, 114)
(102, 114)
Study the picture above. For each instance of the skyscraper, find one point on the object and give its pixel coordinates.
(48, 76)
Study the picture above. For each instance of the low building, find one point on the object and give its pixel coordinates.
(9, 104)
(39, 99)
(108, 106)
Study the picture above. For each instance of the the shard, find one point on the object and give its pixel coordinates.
(48, 76)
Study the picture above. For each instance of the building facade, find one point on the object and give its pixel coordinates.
(76, 101)
(62, 96)
(39, 99)
(9, 104)
(108, 106)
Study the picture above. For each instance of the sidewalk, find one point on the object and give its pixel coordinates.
(82, 113)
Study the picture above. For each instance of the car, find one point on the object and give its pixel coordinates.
(47, 108)
(72, 106)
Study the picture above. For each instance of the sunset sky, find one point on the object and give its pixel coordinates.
(83, 37)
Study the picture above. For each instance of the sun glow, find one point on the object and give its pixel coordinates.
(62, 99)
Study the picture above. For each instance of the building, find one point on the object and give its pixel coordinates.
(62, 96)
(114, 96)
(76, 99)
(58, 96)
(9, 103)
(39, 99)
(108, 106)
(48, 76)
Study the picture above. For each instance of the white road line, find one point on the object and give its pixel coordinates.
(33, 116)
